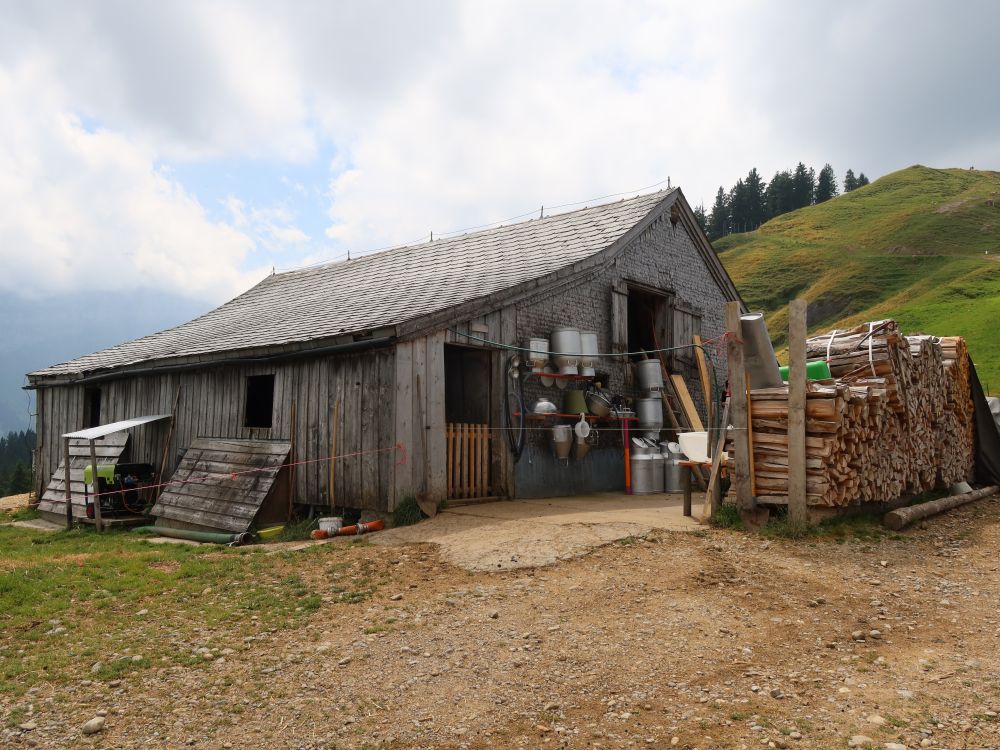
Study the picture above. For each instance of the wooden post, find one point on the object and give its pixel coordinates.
(97, 485)
(738, 407)
(166, 444)
(69, 491)
(291, 461)
(333, 453)
(797, 512)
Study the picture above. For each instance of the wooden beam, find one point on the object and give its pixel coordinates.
(713, 493)
(96, 486)
(902, 517)
(69, 489)
(798, 515)
(687, 404)
(334, 422)
(706, 388)
(738, 407)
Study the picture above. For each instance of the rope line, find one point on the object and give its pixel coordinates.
(233, 475)
(512, 347)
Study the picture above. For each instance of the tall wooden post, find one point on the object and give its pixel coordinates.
(738, 407)
(96, 485)
(798, 515)
(69, 491)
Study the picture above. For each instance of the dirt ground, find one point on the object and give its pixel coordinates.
(703, 639)
(13, 502)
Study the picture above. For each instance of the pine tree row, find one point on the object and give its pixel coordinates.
(751, 201)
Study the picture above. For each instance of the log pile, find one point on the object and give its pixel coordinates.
(896, 419)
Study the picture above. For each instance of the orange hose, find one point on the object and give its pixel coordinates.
(361, 528)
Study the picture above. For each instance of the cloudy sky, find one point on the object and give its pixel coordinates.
(189, 147)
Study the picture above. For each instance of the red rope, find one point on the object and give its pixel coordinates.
(233, 475)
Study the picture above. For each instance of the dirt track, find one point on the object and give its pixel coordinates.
(712, 640)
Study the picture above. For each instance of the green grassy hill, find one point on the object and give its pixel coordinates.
(920, 245)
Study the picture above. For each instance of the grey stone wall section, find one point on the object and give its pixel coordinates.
(664, 257)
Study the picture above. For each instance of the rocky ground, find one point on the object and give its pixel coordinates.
(712, 639)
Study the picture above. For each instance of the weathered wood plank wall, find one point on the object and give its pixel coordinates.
(212, 404)
(420, 419)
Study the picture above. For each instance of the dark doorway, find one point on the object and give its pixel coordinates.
(466, 385)
(648, 323)
(260, 401)
(467, 397)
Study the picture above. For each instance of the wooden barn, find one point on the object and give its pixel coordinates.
(394, 364)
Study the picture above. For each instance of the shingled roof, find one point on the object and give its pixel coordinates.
(383, 289)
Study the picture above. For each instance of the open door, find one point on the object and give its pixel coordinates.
(467, 413)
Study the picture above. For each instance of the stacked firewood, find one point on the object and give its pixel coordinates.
(896, 419)
(957, 433)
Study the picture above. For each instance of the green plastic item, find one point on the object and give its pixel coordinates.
(213, 537)
(104, 471)
(816, 370)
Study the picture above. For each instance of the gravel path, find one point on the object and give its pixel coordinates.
(689, 640)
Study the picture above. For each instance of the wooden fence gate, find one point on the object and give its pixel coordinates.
(468, 460)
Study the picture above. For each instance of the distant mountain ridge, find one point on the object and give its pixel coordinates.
(920, 245)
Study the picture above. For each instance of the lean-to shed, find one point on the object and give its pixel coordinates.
(373, 358)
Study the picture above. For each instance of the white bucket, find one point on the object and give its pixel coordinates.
(331, 525)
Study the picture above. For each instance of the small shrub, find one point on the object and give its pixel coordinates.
(407, 512)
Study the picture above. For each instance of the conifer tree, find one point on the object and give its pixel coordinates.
(803, 186)
(699, 214)
(755, 199)
(826, 184)
(862, 180)
(850, 181)
(778, 197)
(718, 220)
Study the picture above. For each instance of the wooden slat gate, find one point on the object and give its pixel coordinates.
(468, 460)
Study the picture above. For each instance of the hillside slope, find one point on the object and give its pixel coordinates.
(920, 245)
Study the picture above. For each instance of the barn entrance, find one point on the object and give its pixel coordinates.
(467, 413)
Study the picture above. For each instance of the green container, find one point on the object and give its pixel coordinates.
(574, 402)
(104, 471)
(815, 370)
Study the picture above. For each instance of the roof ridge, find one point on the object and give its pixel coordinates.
(460, 234)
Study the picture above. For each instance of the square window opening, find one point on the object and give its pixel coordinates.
(260, 401)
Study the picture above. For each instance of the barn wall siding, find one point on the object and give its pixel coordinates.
(212, 403)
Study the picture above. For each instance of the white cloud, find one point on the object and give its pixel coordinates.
(84, 209)
(442, 115)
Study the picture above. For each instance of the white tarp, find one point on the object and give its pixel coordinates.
(93, 433)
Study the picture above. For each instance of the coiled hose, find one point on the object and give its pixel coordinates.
(513, 418)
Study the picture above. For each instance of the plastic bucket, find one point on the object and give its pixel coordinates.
(331, 525)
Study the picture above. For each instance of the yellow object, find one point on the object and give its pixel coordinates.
(271, 531)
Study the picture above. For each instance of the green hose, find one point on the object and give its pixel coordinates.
(212, 537)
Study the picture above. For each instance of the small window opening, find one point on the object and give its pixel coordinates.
(260, 400)
(92, 407)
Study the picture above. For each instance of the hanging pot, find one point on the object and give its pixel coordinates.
(562, 440)
(538, 354)
(599, 403)
(565, 350)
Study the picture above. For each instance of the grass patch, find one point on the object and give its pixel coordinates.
(857, 525)
(296, 531)
(727, 517)
(912, 246)
(70, 599)
(407, 512)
